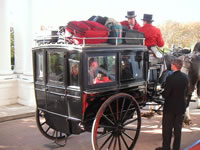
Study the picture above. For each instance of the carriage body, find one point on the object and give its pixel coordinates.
(70, 104)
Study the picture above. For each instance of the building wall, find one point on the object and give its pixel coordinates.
(8, 92)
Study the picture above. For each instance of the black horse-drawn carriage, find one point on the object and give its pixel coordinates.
(97, 88)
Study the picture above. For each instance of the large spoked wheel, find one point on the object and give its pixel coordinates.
(45, 129)
(117, 124)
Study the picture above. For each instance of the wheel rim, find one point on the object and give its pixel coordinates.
(45, 129)
(117, 123)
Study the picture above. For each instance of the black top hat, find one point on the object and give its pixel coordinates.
(148, 17)
(130, 14)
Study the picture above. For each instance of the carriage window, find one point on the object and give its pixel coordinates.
(55, 67)
(131, 67)
(101, 69)
(137, 62)
(126, 68)
(74, 69)
(39, 66)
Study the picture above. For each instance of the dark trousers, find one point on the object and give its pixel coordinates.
(172, 121)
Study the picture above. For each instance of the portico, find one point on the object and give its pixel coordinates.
(16, 86)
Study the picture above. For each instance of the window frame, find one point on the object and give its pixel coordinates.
(51, 81)
(69, 69)
(42, 79)
(134, 54)
(113, 83)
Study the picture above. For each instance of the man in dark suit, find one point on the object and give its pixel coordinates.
(175, 92)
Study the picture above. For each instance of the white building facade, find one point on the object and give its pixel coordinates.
(16, 86)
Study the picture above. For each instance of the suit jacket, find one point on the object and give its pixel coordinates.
(175, 92)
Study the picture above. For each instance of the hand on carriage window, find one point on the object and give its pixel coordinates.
(74, 75)
(92, 69)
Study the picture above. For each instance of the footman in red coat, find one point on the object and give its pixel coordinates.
(153, 36)
(131, 23)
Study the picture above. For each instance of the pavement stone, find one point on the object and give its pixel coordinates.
(15, 111)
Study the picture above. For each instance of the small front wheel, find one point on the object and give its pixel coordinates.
(45, 129)
(117, 123)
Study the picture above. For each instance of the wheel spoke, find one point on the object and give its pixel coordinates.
(103, 135)
(47, 130)
(127, 135)
(117, 108)
(124, 141)
(112, 113)
(110, 142)
(119, 142)
(53, 133)
(56, 134)
(122, 108)
(133, 120)
(126, 111)
(108, 119)
(130, 115)
(43, 123)
(60, 134)
(40, 113)
(107, 126)
(132, 129)
(105, 142)
(115, 143)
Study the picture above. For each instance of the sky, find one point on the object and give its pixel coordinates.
(59, 12)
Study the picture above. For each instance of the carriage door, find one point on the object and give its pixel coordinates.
(73, 89)
(55, 82)
(39, 79)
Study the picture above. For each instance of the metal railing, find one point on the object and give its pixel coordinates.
(61, 40)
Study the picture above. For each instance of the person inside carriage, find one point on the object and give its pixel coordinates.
(97, 74)
(131, 23)
(126, 69)
(153, 39)
(101, 78)
(74, 75)
(92, 70)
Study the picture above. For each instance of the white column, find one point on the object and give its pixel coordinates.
(28, 69)
(19, 36)
(5, 57)
(23, 38)
(8, 83)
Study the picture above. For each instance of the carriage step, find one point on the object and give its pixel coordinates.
(58, 141)
(192, 100)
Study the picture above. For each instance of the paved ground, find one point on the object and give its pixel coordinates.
(15, 111)
(23, 134)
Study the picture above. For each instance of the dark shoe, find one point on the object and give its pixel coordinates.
(159, 148)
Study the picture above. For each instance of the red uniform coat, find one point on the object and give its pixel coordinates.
(153, 36)
(125, 23)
